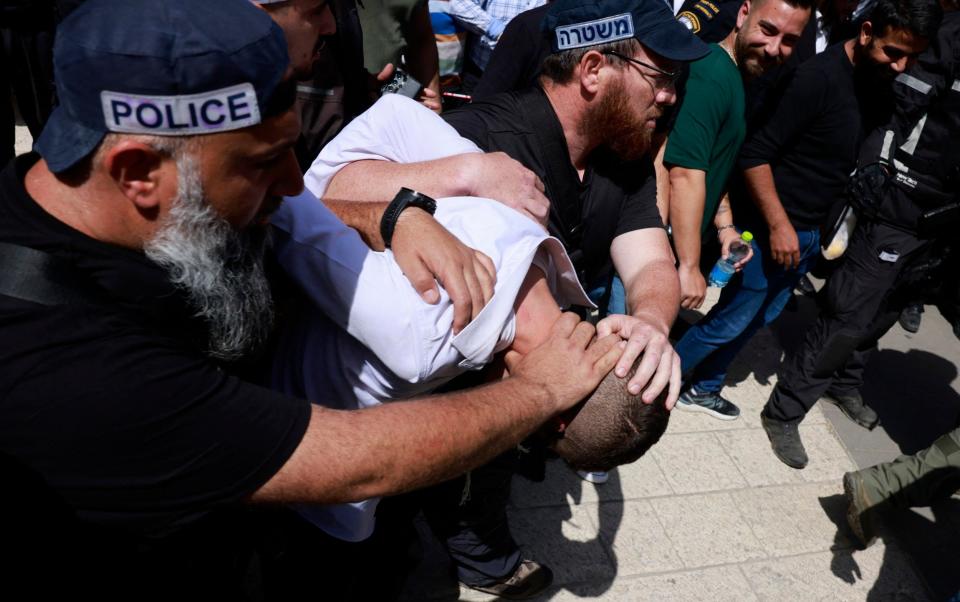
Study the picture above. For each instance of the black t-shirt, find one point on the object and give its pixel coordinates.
(109, 401)
(811, 138)
(614, 197)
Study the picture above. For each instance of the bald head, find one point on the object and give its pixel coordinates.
(611, 427)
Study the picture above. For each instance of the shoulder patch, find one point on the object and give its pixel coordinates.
(690, 21)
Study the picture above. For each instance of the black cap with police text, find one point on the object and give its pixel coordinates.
(168, 68)
(584, 23)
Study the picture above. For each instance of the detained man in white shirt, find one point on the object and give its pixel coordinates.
(368, 335)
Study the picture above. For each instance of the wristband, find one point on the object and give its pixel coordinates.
(724, 228)
(405, 198)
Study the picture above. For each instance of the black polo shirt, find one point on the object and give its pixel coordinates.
(615, 197)
(811, 138)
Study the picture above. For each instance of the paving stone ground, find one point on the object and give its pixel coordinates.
(710, 514)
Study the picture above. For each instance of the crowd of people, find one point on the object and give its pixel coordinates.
(280, 276)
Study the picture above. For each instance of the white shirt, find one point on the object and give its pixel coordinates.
(372, 338)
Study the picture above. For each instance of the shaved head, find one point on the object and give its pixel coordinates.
(611, 427)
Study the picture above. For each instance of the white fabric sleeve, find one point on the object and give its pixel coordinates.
(396, 129)
(340, 275)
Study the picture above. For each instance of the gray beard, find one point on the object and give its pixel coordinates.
(220, 269)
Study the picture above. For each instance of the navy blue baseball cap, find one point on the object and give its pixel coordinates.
(162, 67)
(584, 23)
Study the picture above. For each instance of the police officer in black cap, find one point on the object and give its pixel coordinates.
(906, 197)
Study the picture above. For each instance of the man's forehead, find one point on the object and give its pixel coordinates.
(782, 15)
(902, 38)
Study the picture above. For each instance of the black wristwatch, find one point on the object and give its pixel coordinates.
(405, 198)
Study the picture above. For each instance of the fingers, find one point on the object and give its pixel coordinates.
(739, 265)
(645, 369)
(691, 301)
(612, 324)
(430, 99)
(539, 207)
(564, 325)
(462, 299)
(675, 381)
(487, 272)
(385, 73)
(472, 281)
(604, 352)
(422, 280)
(582, 334)
(635, 346)
(661, 378)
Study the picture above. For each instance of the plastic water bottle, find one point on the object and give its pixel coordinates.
(723, 270)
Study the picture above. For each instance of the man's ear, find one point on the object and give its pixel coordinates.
(742, 14)
(147, 177)
(866, 33)
(590, 65)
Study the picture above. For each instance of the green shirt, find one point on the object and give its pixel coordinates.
(385, 24)
(710, 125)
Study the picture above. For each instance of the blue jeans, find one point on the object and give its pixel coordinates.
(746, 304)
(617, 299)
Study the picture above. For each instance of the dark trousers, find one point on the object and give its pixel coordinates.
(859, 307)
(469, 515)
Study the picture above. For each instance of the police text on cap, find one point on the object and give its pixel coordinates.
(592, 33)
(205, 113)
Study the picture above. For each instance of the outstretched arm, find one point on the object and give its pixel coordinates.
(352, 455)
(688, 189)
(645, 264)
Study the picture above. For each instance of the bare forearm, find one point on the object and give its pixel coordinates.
(654, 295)
(364, 217)
(424, 63)
(400, 446)
(663, 183)
(724, 216)
(373, 181)
(688, 189)
(763, 192)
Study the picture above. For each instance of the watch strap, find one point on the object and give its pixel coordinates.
(405, 198)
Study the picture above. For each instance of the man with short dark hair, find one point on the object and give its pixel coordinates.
(132, 278)
(906, 195)
(703, 144)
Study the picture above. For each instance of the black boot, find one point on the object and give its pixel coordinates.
(785, 440)
(852, 406)
(911, 316)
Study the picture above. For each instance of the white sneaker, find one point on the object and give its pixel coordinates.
(597, 478)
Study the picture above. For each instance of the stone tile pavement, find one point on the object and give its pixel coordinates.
(708, 514)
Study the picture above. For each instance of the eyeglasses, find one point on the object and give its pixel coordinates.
(661, 81)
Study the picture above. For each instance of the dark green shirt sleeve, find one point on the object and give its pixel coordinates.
(702, 114)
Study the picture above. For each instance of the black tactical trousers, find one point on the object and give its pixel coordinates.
(858, 310)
